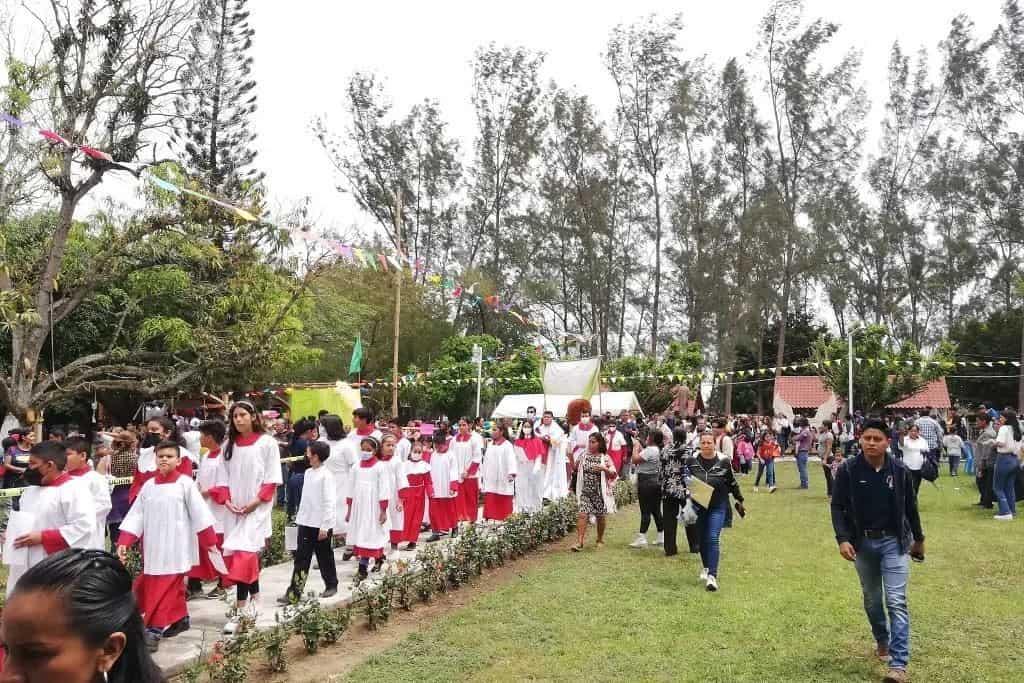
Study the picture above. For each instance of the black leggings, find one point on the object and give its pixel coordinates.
(648, 490)
(244, 590)
(828, 478)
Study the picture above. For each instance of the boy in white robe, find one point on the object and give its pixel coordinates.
(77, 451)
(59, 514)
(315, 519)
(444, 486)
(211, 436)
(174, 524)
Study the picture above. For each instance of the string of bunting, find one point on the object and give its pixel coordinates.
(423, 378)
(351, 253)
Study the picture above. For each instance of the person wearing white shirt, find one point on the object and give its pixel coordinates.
(498, 475)
(1004, 477)
(914, 448)
(556, 481)
(315, 519)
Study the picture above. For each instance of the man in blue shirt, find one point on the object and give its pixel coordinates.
(878, 528)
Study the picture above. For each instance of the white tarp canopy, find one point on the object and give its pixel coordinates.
(515, 405)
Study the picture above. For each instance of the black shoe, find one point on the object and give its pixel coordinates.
(410, 546)
(217, 593)
(347, 555)
(434, 538)
(330, 592)
(376, 566)
(455, 532)
(424, 527)
(193, 595)
(285, 600)
(394, 546)
(180, 626)
(152, 640)
(360, 576)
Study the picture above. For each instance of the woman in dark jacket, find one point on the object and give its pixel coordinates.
(673, 486)
(712, 468)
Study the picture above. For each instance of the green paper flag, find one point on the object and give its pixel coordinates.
(357, 357)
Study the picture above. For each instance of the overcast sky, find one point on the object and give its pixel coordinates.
(305, 50)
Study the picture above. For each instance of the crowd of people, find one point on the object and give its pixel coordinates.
(195, 498)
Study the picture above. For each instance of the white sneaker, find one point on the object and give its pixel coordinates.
(639, 542)
(755, 489)
(231, 628)
(712, 584)
(1004, 518)
(704, 574)
(660, 540)
(771, 489)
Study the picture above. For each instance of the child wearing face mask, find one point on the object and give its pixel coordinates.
(60, 514)
(498, 475)
(416, 472)
(368, 507)
(531, 463)
(444, 487)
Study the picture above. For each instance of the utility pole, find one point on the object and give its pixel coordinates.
(478, 358)
(398, 304)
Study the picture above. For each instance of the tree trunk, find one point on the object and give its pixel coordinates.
(655, 304)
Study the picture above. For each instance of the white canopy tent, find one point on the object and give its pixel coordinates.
(515, 405)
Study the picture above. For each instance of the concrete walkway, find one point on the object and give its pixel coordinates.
(209, 616)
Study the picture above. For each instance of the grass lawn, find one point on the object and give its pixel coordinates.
(789, 608)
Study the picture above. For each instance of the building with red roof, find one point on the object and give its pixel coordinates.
(809, 396)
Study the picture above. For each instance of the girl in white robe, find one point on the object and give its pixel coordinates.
(498, 475)
(211, 437)
(396, 517)
(58, 514)
(368, 507)
(171, 519)
(467, 449)
(444, 486)
(343, 457)
(158, 429)
(247, 481)
(531, 458)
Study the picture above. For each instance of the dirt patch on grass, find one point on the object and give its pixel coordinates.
(334, 662)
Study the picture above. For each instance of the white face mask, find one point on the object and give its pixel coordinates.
(416, 456)
(365, 455)
(585, 420)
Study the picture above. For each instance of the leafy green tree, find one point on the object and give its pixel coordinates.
(889, 370)
(654, 381)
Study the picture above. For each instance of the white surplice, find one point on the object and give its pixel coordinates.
(344, 456)
(244, 475)
(167, 516)
(370, 487)
(206, 479)
(556, 481)
(444, 470)
(396, 482)
(97, 487)
(62, 506)
(499, 464)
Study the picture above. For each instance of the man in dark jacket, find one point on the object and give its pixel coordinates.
(878, 528)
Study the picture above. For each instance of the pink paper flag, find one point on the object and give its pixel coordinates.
(95, 153)
(346, 252)
(383, 262)
(54, 138)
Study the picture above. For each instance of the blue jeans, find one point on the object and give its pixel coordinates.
(768, 470)
(1004, 477)
(801, 466)
(882, 566)
(711, 523)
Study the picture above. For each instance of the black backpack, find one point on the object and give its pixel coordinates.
(929, 470)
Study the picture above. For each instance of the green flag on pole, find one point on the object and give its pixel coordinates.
(357, 357)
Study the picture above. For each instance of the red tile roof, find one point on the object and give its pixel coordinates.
(802, 392)
(932, 395)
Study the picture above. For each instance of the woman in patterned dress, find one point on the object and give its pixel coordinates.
(594, 473)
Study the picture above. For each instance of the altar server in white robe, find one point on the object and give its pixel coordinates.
(444, 486)
(498, 475)
(343, 457)
(158, 429)
(467, 448)
(556, 480)
(77, 451)
(531, 458)
(247, 481)
(174, 525)
(362, 427)
(55, 513)
(397, 482)
(211, 437)
(368, 507)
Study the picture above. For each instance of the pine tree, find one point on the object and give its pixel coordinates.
(213, 114)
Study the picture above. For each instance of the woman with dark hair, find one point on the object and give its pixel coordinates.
(250, 472)
(673, 486)
(1004, 477)
(340, 463)
(498, 475)
(72, 618)
(594, 473)
(714, 469)
(158, 429)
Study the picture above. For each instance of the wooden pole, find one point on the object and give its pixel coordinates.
(398, 305)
